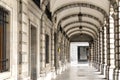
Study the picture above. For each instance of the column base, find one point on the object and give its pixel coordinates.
(104, 71)
(53, 69)
(24, 78)
(111, 72)
(95, 65)
(107, 72)
(99, 67)
(102, 68)
(116, 75)
(91, 64)
(42, 73)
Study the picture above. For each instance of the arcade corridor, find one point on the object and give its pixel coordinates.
(81, 71)
(36, 38)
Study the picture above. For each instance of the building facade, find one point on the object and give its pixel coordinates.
(28, 37)
(34, 45)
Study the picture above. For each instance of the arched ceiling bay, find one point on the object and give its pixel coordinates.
(72, 12)
(74, 23)
(81, 38)
(84, 19)
(84, 28)
(92, 13)
(77, 30)
(83, 32)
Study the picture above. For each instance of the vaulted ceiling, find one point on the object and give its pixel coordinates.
(93, 13)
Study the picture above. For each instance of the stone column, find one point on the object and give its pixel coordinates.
(108, 50)
(52, 50)
(62, 51)
(102, 51)
(58, 50)
(61, 43)
(97, 59)
(99, 51)
(65, 51)
(23, 40)
(95, 54)
(112, 57)
(105, 51)
(42, 53)
(92, 54)
(117, 46)
(68, 51)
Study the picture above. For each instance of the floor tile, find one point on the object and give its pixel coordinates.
(80, 72)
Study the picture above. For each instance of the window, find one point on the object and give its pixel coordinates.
(4, 40)
(47, 11)
(47, 48)
(37, 2)
(55, 41)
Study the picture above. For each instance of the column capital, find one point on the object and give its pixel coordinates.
(115, 15)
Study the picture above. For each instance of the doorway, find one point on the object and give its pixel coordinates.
(33, 48)
(82, 53)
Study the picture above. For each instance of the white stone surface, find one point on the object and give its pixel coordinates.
(80, 72)
(73, 51)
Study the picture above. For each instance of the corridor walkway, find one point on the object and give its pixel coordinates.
(80, 72)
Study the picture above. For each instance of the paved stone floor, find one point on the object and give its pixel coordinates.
(80, 72)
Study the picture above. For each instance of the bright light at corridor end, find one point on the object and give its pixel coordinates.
(79, 44)
(74, 51)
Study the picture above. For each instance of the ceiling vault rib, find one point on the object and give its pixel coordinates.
(74, 22)
(81, 18)
(81, 30)
(80, 5)
(88, 33)
(74, 15)
(83, 38)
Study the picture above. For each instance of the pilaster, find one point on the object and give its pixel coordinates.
(23, 40)
(105, 51)
(112, 57)
(102, 51)
(117, 46)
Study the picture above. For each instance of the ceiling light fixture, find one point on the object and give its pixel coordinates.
(80, 27)
(80, 20)
(80, 15)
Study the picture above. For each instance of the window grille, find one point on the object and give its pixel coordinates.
(4, 17)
